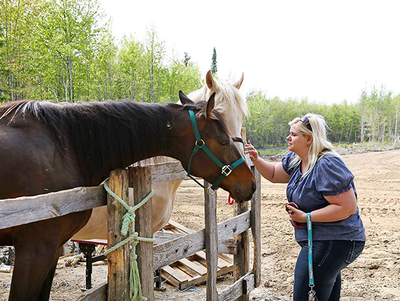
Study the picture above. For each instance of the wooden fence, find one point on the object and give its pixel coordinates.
(25, 210)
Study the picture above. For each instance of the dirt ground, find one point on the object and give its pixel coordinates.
(375, 275)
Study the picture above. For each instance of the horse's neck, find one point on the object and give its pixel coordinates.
(124, 149)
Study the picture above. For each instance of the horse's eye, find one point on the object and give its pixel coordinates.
(225, 143)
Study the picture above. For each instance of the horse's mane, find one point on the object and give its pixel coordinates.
(227, 92)
(99, 132)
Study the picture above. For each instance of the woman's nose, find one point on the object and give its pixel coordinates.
(287, 138)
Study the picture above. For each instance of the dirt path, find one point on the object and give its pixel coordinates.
(375, 275)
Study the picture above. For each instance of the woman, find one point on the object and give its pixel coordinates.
(320, 183)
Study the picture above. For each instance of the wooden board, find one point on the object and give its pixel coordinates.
(193, 269)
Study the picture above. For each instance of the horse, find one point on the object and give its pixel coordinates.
(231, 104)
(47, 147)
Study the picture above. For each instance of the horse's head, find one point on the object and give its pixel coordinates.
(239, 179)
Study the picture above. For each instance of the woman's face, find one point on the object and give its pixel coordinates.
(297, 143)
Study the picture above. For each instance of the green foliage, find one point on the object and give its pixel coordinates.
(375, 117)
(63, 50)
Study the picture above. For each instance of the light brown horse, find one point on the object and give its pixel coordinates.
(46, 147)
(231, 104)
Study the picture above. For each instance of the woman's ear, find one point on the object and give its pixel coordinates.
(309, 139)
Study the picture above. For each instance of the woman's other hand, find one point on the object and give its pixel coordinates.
(251, 151)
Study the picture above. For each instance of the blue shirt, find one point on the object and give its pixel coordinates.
(330, 176)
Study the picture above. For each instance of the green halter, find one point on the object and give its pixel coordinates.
(200, 144)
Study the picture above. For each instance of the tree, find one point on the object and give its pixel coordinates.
(131, 69)
(187, 59)
(64, 47)
(214, 62)
(17, 20)
(154, 56)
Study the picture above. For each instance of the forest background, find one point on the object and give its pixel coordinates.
(64, 50)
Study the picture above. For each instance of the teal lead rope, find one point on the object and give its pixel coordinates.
(129, 220)
(311, 293)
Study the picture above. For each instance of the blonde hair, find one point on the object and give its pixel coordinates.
(320, 144)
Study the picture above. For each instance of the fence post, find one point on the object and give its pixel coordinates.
(119, 260)
(211, 243)
(256, 227)
(140, 180)
(242, 258)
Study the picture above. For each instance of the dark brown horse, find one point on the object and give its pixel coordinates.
(46, 147)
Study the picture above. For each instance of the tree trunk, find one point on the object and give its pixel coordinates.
(71, 97)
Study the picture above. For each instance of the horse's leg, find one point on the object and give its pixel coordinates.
(37, 247)
(44, 293)
(34, 258)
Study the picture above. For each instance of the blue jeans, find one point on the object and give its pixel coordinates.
(329, 258)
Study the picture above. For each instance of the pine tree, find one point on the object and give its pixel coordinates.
(214, 63)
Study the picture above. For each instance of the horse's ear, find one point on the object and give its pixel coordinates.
(210, 105)
(211, 83)
(239, 83)
(184, 99)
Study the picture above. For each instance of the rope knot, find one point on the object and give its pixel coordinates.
(129, 220)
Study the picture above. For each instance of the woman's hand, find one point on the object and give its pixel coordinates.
(296, 215)
(251, 151)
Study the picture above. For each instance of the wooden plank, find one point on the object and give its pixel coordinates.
(163, 236)
(95, 294)
(24, 210)
(221, 262)
(256, 228)
(194, 266)
(211, 242)
(194, 242)
(243, 285)
(140, 178)
(175, 274)
(166, 275)
(167, 172)
(118, 260)
(180, 227)
(203, 278)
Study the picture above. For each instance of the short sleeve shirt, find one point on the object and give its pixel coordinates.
(329, 177)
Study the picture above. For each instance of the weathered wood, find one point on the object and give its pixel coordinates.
(243, 285)
(256, 227)
(211, 242)
(166, 172)
(140, 180)
(242, 257)
(118, 260)
(24, 210)
(95, 294)
(162, 237)
(169, 252)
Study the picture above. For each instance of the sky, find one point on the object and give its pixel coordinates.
(325, 51)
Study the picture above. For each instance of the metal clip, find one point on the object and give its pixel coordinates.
(312, 296)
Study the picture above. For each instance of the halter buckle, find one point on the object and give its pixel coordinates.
(226, 170)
